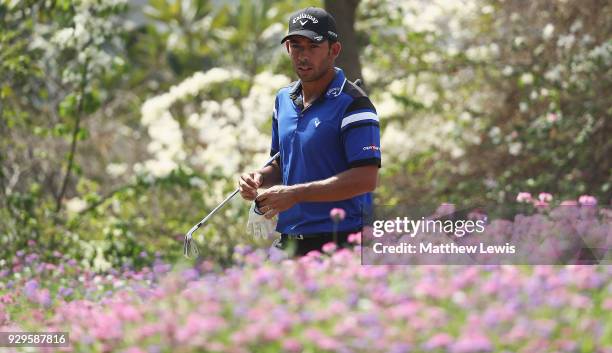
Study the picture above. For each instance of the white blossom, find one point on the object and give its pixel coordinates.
(566, 41)
(116, 169)
(548, 31)
(273, 31)
(526, 78)
(515, 148)
(75, 205)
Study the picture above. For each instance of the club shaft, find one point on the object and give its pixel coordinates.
(219, 206)
(231, 195)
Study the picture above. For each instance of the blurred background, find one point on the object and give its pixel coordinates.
(123, 123)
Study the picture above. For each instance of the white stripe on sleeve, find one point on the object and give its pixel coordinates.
(358, 117)
(274, 113)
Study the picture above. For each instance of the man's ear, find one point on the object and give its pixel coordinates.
(336, 48)
(287, 45)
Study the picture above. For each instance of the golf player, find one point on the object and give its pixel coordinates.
(328, 135)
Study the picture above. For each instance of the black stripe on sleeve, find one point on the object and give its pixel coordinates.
(359, 124)
(367, 161)
(359, 103)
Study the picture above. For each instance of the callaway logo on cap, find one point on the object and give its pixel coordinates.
(313, 23)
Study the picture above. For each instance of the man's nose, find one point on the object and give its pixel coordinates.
(303, 56)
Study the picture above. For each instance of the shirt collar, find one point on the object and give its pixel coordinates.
(333, 90)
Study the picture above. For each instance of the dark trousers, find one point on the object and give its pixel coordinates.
(300, 247)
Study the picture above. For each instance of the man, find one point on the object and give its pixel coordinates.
(327, 132)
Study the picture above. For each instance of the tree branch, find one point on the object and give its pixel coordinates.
(75, 132)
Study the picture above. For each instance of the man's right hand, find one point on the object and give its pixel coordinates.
(248, 185)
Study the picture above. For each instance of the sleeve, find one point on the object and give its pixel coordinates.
(275, 137)
(360, 133)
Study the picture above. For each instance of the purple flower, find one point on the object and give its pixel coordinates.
(44, 297)
(242, 249)
(154, 349)
(31, 258)
(161, 268)
(30, 288)
(276, 255)
(400, 348)
(65, 292)
(190, 274)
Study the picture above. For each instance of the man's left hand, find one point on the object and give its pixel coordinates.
(276, 199)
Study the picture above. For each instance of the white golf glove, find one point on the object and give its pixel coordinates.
(259, 226)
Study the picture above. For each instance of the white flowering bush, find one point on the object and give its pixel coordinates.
(474, 113)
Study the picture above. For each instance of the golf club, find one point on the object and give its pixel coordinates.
(190, 248)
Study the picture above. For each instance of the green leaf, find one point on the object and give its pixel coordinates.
(60, 129)
(91, 102)
(82, 134)
(67, 107)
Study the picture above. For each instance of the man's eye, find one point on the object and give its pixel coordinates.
(314, 46)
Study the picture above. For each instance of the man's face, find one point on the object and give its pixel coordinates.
(311, 60)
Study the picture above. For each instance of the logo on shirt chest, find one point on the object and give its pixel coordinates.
(316, 122)
(334, 92)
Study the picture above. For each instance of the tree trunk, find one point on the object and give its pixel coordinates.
(344, 13)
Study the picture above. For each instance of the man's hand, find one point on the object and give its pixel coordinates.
(276, 199)
(248, 185)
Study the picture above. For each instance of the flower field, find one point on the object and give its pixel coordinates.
(324, 302)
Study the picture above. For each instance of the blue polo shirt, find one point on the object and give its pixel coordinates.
(340, 130)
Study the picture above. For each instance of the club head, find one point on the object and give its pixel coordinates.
(190, 247)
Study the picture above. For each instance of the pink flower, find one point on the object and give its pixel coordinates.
(569, 203)
(354, 238)
(445, 209)
(273, 332)
(337, 214)
(3, 315)
(587, 200)
(127, 312)
(472, 343)
(552, 117)
(523, 197)
(134, 350)
(329, 247)
(540, 204)
(6, 299)
(43, 297)
(438, 341)
(545, 197)
(292, 345)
